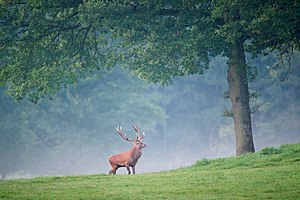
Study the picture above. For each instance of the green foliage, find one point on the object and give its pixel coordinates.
(270, 151)
(78, 124)
(203, 162)
(258, 178)
(46, 45)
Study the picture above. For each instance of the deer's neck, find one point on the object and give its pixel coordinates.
(135, 151)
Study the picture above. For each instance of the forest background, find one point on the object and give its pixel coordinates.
(74, 133)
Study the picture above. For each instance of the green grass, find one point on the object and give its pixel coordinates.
(272, 173)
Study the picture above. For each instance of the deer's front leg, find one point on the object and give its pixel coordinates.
(133, 169)
(128, 169)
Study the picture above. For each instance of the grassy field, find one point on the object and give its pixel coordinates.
(272, 173)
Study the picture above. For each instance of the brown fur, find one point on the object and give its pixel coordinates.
(126, 159)
(129, 158)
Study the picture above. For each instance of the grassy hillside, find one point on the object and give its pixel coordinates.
(272, 173)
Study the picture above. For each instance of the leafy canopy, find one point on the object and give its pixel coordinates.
(48, 44)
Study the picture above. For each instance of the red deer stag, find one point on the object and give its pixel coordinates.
(129, 158)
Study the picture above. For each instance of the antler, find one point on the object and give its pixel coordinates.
(138, 133)
(124, 136)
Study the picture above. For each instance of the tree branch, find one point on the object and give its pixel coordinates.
(287, 54)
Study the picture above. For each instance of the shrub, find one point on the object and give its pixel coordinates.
(270, 151)
(203, 162)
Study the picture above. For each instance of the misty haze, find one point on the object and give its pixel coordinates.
(214, 85)
(74, 133)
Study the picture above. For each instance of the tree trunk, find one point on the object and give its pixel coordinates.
(239, 96)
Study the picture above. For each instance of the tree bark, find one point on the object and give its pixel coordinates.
(239, 96)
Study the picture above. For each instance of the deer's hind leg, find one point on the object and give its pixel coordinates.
(113, 170)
